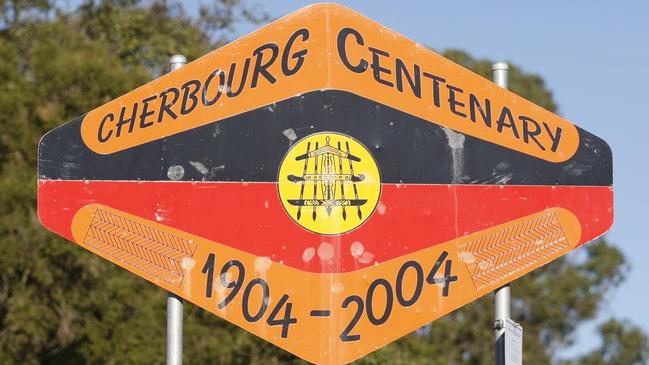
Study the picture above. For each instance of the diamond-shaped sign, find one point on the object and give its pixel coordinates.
(325, 184)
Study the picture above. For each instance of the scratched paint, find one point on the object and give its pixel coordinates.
(188, 197)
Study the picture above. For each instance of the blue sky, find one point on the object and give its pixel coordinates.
(594, 56)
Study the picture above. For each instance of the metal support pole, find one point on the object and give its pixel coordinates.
(502, 294)
(177, 61)
(175, 303)
(174, 329)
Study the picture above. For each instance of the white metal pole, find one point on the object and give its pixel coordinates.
(174, 302)
(177, 61)
(501, 74)
(502, 294)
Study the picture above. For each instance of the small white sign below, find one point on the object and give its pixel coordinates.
(513, 343)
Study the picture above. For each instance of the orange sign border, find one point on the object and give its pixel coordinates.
(304, 55)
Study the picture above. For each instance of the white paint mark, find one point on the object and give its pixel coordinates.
(262, 264)
(502, 166)
(175, 172)
(325, 251)
(381, 208)
(308, 254)
(366, 257)
(357, 249)
(187, 263)
(266, 204)
(467, 257)
(224, 89)
(337, 288)
(456, 143)
(159, 215)
(484, 265)
(504, 178)
(220, 289)
(199, 167)
(218, 168)
(290, 134)
(228, 276)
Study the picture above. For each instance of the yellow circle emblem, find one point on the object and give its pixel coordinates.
(329, 183)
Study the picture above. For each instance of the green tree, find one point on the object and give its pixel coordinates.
(59, 305)
(623, 343)
(62, 305)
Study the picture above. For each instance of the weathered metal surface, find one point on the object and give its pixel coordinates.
(325, 184)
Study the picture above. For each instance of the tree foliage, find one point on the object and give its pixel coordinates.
(62, 305)
(623, 343)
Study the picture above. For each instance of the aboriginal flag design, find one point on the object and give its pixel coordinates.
(325, 184)
(219, 181)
